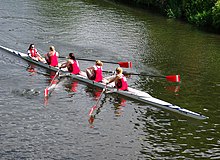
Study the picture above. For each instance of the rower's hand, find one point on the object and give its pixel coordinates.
(113, 73)
(107, 82)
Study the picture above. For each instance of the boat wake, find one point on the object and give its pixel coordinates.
(28, 93)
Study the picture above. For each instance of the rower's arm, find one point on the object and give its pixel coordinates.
(113, 79)
(65, 64)
(29, 53)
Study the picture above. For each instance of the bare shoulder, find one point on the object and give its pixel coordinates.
(70, 61)
(119, 76)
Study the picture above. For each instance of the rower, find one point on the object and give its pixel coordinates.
(72, 64)
(120, 80)
(52, 57)
(34, 54)
(95, 72)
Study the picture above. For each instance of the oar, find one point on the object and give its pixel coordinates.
(121, 64)
(46, 91)
(171, 78)
(95, 106)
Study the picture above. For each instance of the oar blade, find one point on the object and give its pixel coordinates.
(125, 64)
(173, 78)
(46, 92)
(91, 120)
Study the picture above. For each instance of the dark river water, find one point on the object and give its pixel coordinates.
(58, 128)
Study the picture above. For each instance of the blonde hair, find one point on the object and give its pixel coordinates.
(99, 63)
(52, 48)
(119, 70)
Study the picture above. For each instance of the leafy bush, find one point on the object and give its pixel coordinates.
(216, 15)
(199, 12)
(202, 13)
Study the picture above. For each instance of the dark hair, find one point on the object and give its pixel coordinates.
(30, 46)
(71, 55)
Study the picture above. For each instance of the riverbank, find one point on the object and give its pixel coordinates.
(204, 15)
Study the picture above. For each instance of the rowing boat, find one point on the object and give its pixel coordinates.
(131, 93)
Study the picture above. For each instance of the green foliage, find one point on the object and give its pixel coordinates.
(202, 13)
(173, 9)
(199, 12)
(216, 15)
(200, 18)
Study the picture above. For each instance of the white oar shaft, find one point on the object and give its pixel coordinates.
(46, 90)
(95, 106)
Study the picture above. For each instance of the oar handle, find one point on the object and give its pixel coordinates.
(62, 57)
(112, 72)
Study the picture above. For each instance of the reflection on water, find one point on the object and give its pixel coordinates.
(174, 89)
(96, 111)
(119, 104)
